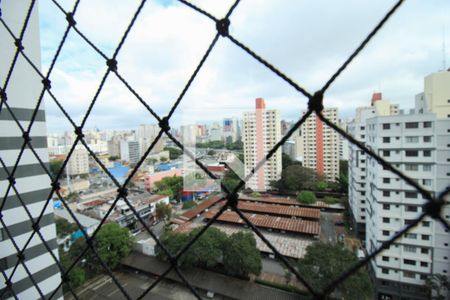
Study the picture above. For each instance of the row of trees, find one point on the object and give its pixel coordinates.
(170, 186)
(235, 255)
(112, 243)
(238, 145)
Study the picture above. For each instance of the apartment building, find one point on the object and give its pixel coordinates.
(130, 151)
(357, 175)
(78, 162)
(321, 144)
(30, 179)
(418, 144)
(261, 131)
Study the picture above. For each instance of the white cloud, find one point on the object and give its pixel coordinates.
(306, 40)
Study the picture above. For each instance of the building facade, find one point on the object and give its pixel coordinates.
(78, 162)
(31, 181)
(321, 145)
(130, 151)
(261, 131)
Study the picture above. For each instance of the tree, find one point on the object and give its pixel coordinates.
(55, 166)
(163, 159)
(296, 178)
(287, 161)
(173, 242)
(189, 204)
(112, 244)
(306, 197)
(342, 180)
(230, 180)
(211, 152)
(77, 276)
(113, 158)
(171, 186)
(325, 262)
(151, 161)
(241, 256)
(64, 228)
(174, 153)
(436, 285)
(207, 251)
(321, 185)
(163, 211)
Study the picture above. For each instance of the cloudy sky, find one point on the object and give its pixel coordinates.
(307, 40)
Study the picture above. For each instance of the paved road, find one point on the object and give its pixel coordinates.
(327, 226)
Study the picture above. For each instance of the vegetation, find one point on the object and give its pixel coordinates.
(238, 145)
(230, 180)
(170, 186)
(235, 255)
(241, 256)
(437, 284)
(55, 166)
(296, 178)
(174, 153)
(321, 185)
(112, 243)
(189, 204)
(211, 152)
(325, 262)
(342, 180)
(287, 161)
(306, 197)
(113, 158)
(163, 159)
(255, 194)
(331, 200)
(151, 161)
(163, 211)
(64, 228)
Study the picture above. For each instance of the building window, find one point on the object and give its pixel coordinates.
(410, 194)
(411, 167)
(427, 168)
(407, 222)
(426, 124)
(411, 236)
(411, 125)
(387, 126)
(427, 139)
(412, 139)
(409, 274)
(426, 182)
(384, 271)
(408, 248)
(409, 262)
(411, 153)
(386, 232)
(385, 258)
(386, 193)
(386, 206)
(423, 264)
(386, 220)
(386, 153)
(386, 139)
(425, 237)
(424, 251)
(427, 153)
(411, 208)
(386, 180)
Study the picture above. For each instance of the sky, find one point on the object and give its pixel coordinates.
(306, 40)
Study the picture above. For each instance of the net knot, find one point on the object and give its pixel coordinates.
(20, 256)
(123, 192)
(3, 95)
(70, 19)
(12, 180)
(18, 44)
(315, 103)
(47, 83)
(26, 136)
(79, 132)
(55, 185)
(35, 226)
(223, 26)
(232, 200)
(112, 64)
(433, 208)
(164, 124)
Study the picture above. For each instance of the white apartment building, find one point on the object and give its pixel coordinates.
(418, 144)
(31, 181)
(321, 144)
(145, 135)
(78, 163)
(130, 151)
(357, 178)
(261, 131)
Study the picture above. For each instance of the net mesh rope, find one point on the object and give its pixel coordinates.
(433, 206)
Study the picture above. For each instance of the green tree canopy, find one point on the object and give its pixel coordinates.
(207, 251)
(55, 166)
(64, 228)
(324, 262)
(287, 161)
(230, 180)
(163, 211)
(241, 257)
(306, 197)
(296, 178)
(171, 185)
(112, 243)
(174, 153)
